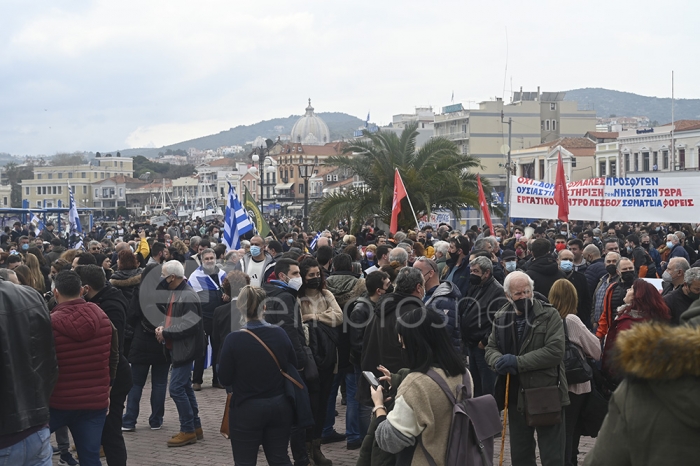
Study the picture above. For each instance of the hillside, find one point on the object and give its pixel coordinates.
(341, 125)
(607, 102)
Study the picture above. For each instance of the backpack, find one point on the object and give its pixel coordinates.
(577, 368)
(475, 423)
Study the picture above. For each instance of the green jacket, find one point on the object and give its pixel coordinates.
(692, 315)
(654, 415)
(541, 356)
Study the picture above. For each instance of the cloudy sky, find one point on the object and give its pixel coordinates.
(104, 75)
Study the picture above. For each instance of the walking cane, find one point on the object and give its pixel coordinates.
(505, 419)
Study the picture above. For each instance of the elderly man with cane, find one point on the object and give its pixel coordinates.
(527, 340)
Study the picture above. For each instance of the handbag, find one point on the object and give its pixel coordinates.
(542, 406)
(577, 368)
(224, 429)
(310, 367)
(294, 388)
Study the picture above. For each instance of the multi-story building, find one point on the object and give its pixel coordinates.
(537, 118)
(540, 162)
(651, 150)
(49, 187)
(110, 193)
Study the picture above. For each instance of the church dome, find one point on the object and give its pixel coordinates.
(310, 129)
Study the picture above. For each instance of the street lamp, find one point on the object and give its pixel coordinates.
(261, 155)
(306, 171)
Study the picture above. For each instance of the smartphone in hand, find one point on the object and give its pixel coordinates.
(371, 378)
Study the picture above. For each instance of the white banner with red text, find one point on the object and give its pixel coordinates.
(633, 199)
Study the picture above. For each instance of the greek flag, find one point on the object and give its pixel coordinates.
(315, 240)
(367, 120)
(236, 221)
(38, 224)
(74, 220)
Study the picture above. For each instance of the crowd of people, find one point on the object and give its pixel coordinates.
(505, 308)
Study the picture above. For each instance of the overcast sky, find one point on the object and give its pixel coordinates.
(104, 75)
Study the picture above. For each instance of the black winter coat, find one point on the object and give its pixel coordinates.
(282, 309)
(583, 309)
(594, 272)
(544, 271)
(478, 311)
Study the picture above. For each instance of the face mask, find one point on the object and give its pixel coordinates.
(596, 238)
(669, 244)
(216, 235)
(628, 277)
(519, 252)
(108, 236)
(290, 241)
(560, 247)
(667, 277)
(255, 251)
(518, 236)
(474, 280)
(295, 283)
(511, 266)
(429, 235)
(25, 247)
(611, 269)
(390, 289)
(314, 283)
(566, 266)
(164, 283)
(522, 305)
(422, 240)
(645, 245)
(692, 295)
(369, 255)
(498, 238)
(629, 248)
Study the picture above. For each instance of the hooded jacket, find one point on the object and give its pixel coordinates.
(27, 359)
(268, 266)
(127, 281)
(83, 336)
(444, 299)
(544, 271)
(654, 415)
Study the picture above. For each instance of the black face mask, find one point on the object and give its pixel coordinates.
(645, 245)
(314, 283)
(390, 289)
(611, 269)
(474, 280)
(522, 305)
(628, 277)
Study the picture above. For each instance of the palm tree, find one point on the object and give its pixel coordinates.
(436, 176)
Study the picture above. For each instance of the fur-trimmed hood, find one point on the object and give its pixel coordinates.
(126, 278)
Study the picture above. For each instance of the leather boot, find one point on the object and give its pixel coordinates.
(318, 457)
(310, 454)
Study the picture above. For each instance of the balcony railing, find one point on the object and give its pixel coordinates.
(456, 136)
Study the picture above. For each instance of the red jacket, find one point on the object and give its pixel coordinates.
(83, 338)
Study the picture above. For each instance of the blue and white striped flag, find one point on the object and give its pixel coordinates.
(236, 221)
(75, 227)
(315, 240)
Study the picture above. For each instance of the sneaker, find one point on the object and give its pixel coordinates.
(67, 458)
(334, 437)
(217, 385)
(200, 433)
(156, 427)
(196, 387)
(182, 439)
(56, 451)
(128, 429)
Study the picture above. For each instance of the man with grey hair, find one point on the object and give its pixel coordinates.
(596, 267)
(680, 300)
(399, 236)
(94, 247)
(399, 255)
(539, 362)
(484, 299)
(381, 338)
(9, 276)
(441, 248)
(677, 250)
(183, 336)
(673, 276)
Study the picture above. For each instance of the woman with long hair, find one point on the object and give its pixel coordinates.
(421, 408)
(23, 275)
(36, 277)
(260, 412)
(323, 316)
(642, 303)
(564, 298)
(128, 276)
(44, 266)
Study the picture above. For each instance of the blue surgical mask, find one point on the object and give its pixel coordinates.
(25, 247)
(669, 244)
(498, 238)
(566, 266)
(255, 251)
(511, 266)
(290, 241)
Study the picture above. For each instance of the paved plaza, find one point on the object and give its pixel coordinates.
(147, 447)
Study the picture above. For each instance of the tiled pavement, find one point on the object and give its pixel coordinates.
(148, 448)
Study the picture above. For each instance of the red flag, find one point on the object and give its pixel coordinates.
(399, 194)
(561, 196)
(484, 206)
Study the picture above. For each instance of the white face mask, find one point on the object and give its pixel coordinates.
(295, 283)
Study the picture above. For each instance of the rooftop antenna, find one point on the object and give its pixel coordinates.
(505, 72)
(673, 126)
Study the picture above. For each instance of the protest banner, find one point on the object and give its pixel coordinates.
(633, 199)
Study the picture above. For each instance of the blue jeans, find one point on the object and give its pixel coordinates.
(34, 450)
(484, 378)
(159, 386)
(364, 412)
(182, 394)
(86, 427)
(352, 415)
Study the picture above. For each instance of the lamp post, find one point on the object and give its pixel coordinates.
(306, 171)
(260, 156)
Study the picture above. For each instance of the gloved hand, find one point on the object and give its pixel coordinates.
(506, 364)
